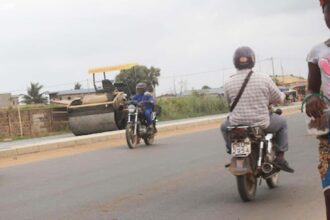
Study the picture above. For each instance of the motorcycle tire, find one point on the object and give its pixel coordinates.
(247, 186)
(131, 139)
(149, 140)
(272, 182)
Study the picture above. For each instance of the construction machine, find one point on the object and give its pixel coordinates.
(102, 111)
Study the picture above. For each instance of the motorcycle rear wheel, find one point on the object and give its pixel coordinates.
(149, 140)
(273, 181)
(247, 186)
(131, 139)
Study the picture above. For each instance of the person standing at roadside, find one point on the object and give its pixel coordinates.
(319, 79)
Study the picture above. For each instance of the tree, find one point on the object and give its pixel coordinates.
(139, 74)
(77, 86)
(34, 96)
(206, 87)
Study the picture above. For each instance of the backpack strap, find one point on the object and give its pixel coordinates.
(232, 107)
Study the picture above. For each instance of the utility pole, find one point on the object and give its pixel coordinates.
(258, 63)
(174, 86)
(282, 69)
(87, 81)
(272, 59)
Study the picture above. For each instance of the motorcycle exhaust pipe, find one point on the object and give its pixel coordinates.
(267, 168)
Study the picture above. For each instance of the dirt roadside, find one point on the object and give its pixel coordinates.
(69, 151)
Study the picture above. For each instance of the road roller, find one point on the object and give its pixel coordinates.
(104, 110)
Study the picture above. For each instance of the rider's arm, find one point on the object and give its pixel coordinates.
(275, 94)
(135, 98)
(148, 99)
(151, 100)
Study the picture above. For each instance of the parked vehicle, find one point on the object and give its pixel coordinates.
(102, 111)
(136, 128)
(253, 154)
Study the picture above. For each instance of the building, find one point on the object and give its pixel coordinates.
(289, 80)
(297, 83)
(70, 94)
(8, 100)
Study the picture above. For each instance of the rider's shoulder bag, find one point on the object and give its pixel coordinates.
(232, 107)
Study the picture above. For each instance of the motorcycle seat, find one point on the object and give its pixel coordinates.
(245, 130)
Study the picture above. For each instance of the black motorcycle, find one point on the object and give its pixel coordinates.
(253, 156)
(137, 128)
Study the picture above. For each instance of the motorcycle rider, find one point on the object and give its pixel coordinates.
(318, 76)
(253, 107)
(147, 101)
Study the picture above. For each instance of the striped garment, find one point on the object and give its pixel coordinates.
(253, 106)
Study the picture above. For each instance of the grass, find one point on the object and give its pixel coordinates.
(191, 106)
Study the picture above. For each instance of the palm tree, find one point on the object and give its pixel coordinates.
(33, 94)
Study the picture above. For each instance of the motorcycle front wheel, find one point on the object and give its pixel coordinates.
(131, 139)
(273, 181)
(247, 186)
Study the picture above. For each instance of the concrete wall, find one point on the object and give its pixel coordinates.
(34, 122)
(6, 100)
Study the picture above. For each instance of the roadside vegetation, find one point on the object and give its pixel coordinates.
(34, 95)
(139, 73)
(198, 104)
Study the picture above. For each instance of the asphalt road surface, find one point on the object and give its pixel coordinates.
(182, 177)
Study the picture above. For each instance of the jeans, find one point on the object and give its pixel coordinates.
(148, 116)
(277, 126)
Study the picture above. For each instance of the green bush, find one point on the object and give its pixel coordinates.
(191, 106)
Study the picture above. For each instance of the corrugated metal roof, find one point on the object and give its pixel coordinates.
(289, 79)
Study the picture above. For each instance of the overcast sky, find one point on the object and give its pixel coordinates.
(54, 42)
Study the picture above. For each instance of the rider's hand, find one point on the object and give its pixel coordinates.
(315, 106)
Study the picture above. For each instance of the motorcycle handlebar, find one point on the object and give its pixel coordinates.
(276, 111)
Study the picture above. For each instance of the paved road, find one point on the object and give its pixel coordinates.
(179, 178)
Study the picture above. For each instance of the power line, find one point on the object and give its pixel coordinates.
(168, 77)
(207, 71)
(195, 73)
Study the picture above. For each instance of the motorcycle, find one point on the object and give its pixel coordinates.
(136, 128)
(253, 154)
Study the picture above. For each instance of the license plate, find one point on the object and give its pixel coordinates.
(241, 149)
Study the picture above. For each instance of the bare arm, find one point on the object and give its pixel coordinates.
(314, 78)
(315, 105)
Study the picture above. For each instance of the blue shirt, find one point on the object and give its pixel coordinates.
(146, 100)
